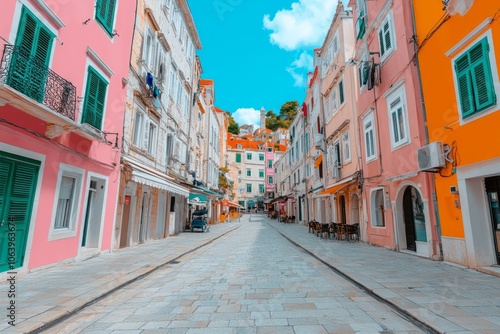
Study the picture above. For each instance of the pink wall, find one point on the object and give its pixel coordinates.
(69, 60)
(399, 66)
(269, 171)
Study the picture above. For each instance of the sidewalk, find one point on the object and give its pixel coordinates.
(448, 298)
(43, 296)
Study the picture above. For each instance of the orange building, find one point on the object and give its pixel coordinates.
(459, 47)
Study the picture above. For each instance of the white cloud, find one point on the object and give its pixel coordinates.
(304, 25)
(299, 68)
(247, 116)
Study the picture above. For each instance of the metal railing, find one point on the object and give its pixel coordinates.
(28, 75)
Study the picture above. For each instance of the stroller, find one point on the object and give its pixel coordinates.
(199, 220)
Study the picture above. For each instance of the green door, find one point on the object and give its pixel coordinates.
(18, 178)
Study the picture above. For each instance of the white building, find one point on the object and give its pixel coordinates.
(152, 202)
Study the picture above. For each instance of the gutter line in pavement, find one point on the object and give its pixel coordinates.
(400, 311)
(78, 309)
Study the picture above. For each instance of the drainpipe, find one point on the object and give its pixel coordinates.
(432, 180)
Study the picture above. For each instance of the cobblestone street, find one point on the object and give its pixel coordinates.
(250, 281)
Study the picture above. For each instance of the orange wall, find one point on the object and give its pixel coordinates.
(476, 141)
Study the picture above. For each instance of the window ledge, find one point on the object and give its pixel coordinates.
(58, 23)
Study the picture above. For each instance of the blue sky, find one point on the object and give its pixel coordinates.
(259, 52)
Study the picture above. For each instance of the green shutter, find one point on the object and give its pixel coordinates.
(105, 13)
(360, 25)
(95, 97)
(18, 180)
(341, 91)
(381, 42)
(484, 91)
(238, 157)
(476, 91)
(387, 35)
(29, 66)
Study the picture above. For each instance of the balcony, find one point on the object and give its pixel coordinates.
(28, 85)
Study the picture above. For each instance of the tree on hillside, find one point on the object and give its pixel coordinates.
(285, 117)
(233, 127)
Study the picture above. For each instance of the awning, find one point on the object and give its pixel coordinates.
(225, 202)
(201, 190)
(401, 177)
(158, 182)
(197, 199)
(337, 186)
(318, 160)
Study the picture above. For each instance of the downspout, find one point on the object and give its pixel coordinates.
(424, 113)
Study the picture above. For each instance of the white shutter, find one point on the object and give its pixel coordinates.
(146, 134)
(177, 149)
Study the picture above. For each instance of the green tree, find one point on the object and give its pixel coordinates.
(284, 119)
(233, 127)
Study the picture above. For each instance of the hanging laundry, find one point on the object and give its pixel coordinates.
(149, 80)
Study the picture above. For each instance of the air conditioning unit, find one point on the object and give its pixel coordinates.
(431, 156)
(458, 6)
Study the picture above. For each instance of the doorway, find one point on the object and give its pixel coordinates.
(492, 185)
(94, 213)
(125, 220)
(414, 219)
(343, 219)
(18, 180)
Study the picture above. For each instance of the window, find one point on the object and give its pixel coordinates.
(138, 127)
(239, 146)
(261, 189)
(66, 205)
(249, 156)
(238, 157)
(149, 51)
(346, 145)
(172, 82)
(269, 149)
(152, 135)
(368, 128)
(261, 173)
(270, 180)
(361, 21)
(307, 142)
(65, 202)
(269, 164)
(397, 117)
(377, 197)
(261, 157)
(336, 161)
(363, 71)
(187, 104)
(341, 91)
(95, 98)
(249, 187)
(25, 74)
(476, 91)
(249, 172)
(170, 144)
(328, 114)
(386, 37)
(105, 14)
(335, 101)
(179, 92)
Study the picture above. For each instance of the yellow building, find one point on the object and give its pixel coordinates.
(459, 46)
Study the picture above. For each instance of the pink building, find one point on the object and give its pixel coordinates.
(399, 211)
(269, 170)
(62, 97)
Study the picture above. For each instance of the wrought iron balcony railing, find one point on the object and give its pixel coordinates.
(28, 75)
